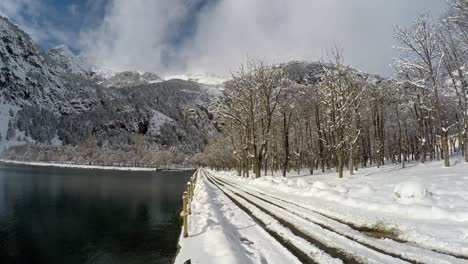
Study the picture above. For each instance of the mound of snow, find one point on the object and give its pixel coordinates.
(279, 180)
(341, 189)
(301, 183)
(291, 182)
(365, 189)
(410, 190)
(321, 185)
(283, 186)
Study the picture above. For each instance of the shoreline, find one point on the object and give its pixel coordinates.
(95, 167)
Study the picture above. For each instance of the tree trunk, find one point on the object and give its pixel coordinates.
(286, 142)
(465, 143)
(340, 163)
(320, 138)
(351, 161)
(445, 148)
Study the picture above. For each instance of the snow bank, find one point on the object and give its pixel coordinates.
(77, 166)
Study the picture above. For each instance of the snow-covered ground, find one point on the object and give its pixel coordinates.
(79, 166)
(379, 215)
(219, 232)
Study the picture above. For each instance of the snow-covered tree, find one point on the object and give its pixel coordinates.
(420, 64)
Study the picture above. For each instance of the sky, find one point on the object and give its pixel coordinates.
(216, 36)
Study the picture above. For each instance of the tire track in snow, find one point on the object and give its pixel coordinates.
(300, 251)
(335, 252)
(411, 254)
(363, 230)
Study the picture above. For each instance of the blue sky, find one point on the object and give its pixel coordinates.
(215, 36)
(54, 22)
(70, 16)
(67, 19)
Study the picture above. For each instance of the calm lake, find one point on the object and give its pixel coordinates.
(55, 215)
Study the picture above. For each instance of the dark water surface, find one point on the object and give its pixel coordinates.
(55, 215)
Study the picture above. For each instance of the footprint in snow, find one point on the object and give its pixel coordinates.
(246, 241)
(250, 248)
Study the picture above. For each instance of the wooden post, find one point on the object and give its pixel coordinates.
(184, 214)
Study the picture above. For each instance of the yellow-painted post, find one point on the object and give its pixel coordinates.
(184, 213)
(189, 189)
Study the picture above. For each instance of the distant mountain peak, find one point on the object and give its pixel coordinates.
(122, 79)
(67, 60)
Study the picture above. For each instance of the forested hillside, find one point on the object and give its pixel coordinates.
(54, 103)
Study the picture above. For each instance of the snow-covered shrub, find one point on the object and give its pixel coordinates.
(410, 190)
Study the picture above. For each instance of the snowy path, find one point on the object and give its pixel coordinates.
(335, 236)
(220, 232)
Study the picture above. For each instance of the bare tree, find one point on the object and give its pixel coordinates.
(421, 65)
(250, 101)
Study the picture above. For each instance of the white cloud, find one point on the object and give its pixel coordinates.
(139, 34)
(18, 11)
(136, 34)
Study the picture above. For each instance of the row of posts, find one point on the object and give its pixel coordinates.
(187, 199)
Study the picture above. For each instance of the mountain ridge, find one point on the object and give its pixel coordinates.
(51, 98)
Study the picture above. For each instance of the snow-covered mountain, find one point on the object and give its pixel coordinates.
(109, 78)
(30, 79)
(25, 73)
(54, 98)
(305, 72)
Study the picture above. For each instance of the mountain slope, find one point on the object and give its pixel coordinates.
(67, 61)
(52, 99)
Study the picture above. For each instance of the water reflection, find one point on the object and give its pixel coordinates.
(53, 215)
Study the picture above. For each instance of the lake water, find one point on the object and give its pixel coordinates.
(55, 215)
